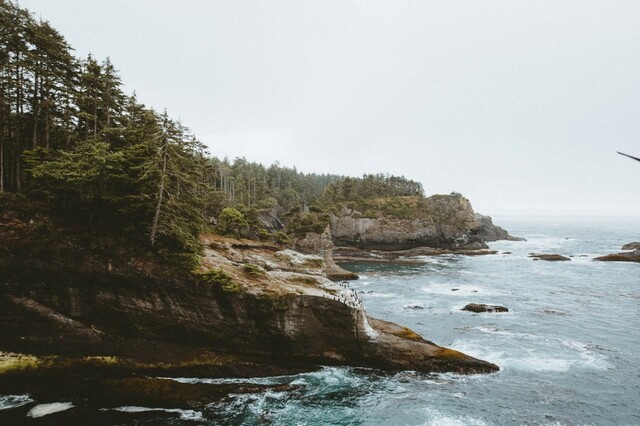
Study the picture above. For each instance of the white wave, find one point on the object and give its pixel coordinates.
(415, 306)
(184, 414)
(538, 364)
(526, 362)
(379, 295)
(457, 290)
(588, 358)
(437, 418)
(273, 380)
(14, 401)
(42, 410)
(500, 331)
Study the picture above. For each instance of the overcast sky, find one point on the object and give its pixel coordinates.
(519, 105)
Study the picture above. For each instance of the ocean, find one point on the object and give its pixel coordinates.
(568, 349)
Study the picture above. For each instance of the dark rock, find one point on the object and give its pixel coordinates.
(633, 256)
(410, 256)
(480, 307)
(414, 306)
(63, 296)
(549, 257)
(485, 229)
(631, 246)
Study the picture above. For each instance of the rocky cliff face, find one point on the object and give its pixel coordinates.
(249, 299)
(487, 231)
(442, 221)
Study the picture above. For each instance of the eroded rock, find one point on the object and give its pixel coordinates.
(480, 307)
(633, 256)
(550, 257)
(631, 246)
(485, 229)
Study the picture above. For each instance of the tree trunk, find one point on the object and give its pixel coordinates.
(156, 215)
(35, 110)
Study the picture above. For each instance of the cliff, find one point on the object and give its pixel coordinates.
(72, 296)
(487, 231)
(401, 223)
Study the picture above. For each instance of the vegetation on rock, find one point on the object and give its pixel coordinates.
(223, 279)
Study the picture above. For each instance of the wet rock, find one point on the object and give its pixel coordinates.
(631, 246)
(549, 257)
(414, 306)
(481, 307)
(633, 256)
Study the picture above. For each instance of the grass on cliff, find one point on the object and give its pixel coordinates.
(223, 279)
(253, 271)
(405, 207)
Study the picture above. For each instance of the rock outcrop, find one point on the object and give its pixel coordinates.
(631, 246)
(322, 245)
(481, 307)
(633, 256)
(440, 221)
(487, 231)
(549, 257)
(249, 299)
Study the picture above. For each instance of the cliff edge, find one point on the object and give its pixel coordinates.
(402, 223)
(248, 299)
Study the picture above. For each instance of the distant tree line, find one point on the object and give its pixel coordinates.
(70, 136)
(372, 186)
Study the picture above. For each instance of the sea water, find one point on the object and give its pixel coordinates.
(568, 349)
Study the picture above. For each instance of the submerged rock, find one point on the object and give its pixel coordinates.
(414, 306)
(549, 257)
(480, 307)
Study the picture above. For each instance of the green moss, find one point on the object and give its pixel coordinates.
(409, 334)
(253, 270)
(12, 361)
(452, 354)
(397, 207)
(223, 279)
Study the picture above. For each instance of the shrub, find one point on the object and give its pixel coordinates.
(231, 222)
(281, 237)
(253, 270)
(223, 279)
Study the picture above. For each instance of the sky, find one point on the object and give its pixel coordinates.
(519, 105)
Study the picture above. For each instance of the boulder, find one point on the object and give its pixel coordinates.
(481, 307)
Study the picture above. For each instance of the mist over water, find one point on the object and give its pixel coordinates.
(568, 348)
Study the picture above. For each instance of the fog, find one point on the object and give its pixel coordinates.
(520, 105)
